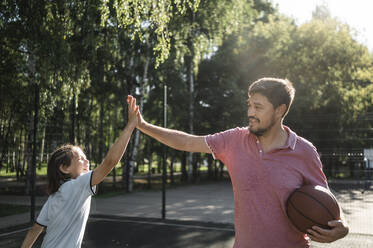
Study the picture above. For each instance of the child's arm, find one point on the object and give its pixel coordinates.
(32, 235)
(117, 150)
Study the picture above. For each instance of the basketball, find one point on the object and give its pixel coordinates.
(312, 206)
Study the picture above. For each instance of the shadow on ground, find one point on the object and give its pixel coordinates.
(113, 232)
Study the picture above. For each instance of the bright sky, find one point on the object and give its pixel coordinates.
(358, 14)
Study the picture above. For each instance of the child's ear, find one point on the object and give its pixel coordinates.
(64, 169)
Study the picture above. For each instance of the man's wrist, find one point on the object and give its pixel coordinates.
(141, 125)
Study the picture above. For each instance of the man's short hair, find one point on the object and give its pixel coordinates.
(278, 91)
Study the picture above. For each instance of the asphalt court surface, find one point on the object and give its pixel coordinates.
(197, 216)
(135, 232)
(110, 231)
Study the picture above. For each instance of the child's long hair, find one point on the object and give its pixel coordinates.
(61, 156)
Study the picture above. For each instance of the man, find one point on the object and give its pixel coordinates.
(266, 161)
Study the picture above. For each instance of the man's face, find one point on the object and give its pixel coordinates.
(261, 114)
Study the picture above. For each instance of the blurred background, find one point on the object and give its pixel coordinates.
(67, 66)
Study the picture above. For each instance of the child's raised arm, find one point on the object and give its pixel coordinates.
(117, 150)
(32, 235)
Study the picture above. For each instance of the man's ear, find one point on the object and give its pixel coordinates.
(281, 110)
(64, 169)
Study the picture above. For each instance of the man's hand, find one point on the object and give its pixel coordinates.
(338, 231)
(134, 112)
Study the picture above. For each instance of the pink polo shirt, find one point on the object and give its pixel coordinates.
(261, 184)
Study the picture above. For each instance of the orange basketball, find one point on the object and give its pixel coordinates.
(312, 206)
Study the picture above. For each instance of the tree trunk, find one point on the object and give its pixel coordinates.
(18, 165)
(125, 163)
(101, 132)
(191, 119)
(42, 147)
(132, 160)
(215, 169)
(28, 154)
(191, 100)
(184, 173)
(73, 119)
(26, 142)
(78, 126)
(125, 170)
(8, 157)
(195, 168)
(159, 164)
(2, 124)
(209, 167)
(88, 128)
(137, 133)
(150, 161)
(5, 142)
(34, 152)
(221, 170)
(116, 134)
(172, 168)
(14, 154)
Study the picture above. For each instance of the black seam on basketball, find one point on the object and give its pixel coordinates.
(293, 222)
(331, 215)
(317, 223)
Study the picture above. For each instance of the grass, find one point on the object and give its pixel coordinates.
(12, 173)
(142, 169)
(11, 209)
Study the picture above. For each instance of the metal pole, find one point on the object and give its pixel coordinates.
(164, 169)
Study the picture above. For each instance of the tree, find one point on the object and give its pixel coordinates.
(195, 35)
(329, 68)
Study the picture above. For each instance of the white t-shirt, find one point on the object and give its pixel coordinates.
(66, 212)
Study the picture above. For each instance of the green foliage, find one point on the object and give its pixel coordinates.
(141, 14)
(332, 74)
(87, 56)
(198, 33)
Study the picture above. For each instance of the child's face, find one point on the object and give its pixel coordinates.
(79, 164)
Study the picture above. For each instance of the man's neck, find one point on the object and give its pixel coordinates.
(275, 138)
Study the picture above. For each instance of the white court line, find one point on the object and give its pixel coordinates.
(17, 231)
(166, 224)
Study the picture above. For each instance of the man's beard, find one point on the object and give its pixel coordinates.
(261, 131)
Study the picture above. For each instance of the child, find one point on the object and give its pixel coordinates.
(70, 187)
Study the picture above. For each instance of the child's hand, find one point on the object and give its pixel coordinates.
(133, 111)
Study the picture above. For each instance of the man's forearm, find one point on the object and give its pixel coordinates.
(172, 138)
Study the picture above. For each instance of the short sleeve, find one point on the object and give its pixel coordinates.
(219, 143)
(80, 187)
(84, 182)
(43, 219)
(315, 174)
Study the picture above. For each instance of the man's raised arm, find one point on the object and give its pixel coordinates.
(173, 138)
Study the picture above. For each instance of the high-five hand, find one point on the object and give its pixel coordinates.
(134, 111)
